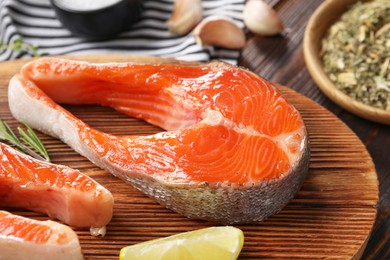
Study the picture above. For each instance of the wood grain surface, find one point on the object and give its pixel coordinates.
(331, 216)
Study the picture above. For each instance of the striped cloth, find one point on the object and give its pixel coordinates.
(35, 22)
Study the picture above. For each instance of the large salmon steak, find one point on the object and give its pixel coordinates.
(233, 151)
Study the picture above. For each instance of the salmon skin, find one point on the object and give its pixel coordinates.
(27, 239)
(59, 191)
(235, 151)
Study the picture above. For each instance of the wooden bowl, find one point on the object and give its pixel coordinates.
(324, 16)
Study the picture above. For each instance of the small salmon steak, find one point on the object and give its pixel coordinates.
(27, 239)
(59, 191)
(234, 150)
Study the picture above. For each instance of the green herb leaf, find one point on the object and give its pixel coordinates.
(7, 134)
(29, 139)
(33, 140)
(18, 45)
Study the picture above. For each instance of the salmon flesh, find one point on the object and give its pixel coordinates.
(234, 149)
(27, 239)
(59, 191)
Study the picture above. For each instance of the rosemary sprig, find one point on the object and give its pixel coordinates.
(29, 139)
(19, 45)
(7, 134)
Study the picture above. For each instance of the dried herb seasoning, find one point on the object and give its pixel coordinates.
(356, 53)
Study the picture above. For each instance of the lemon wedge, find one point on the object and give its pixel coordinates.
(207, 243)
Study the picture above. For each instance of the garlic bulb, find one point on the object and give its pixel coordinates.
(186, 14)
(219, 31)
(261, 19)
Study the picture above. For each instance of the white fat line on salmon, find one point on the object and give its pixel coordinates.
(55, 123)
(169, 117)
(287, 142)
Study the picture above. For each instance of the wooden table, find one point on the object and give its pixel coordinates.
(280, 59)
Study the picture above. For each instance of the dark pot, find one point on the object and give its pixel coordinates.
(101, 23)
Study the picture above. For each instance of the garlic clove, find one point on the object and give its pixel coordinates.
(260, 18)
(185, 15)
(219, 31)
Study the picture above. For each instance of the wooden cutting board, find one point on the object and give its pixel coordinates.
(331, 216)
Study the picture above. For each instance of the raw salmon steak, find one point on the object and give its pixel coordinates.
(234, 150)
(61, 192)
(27, 239)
